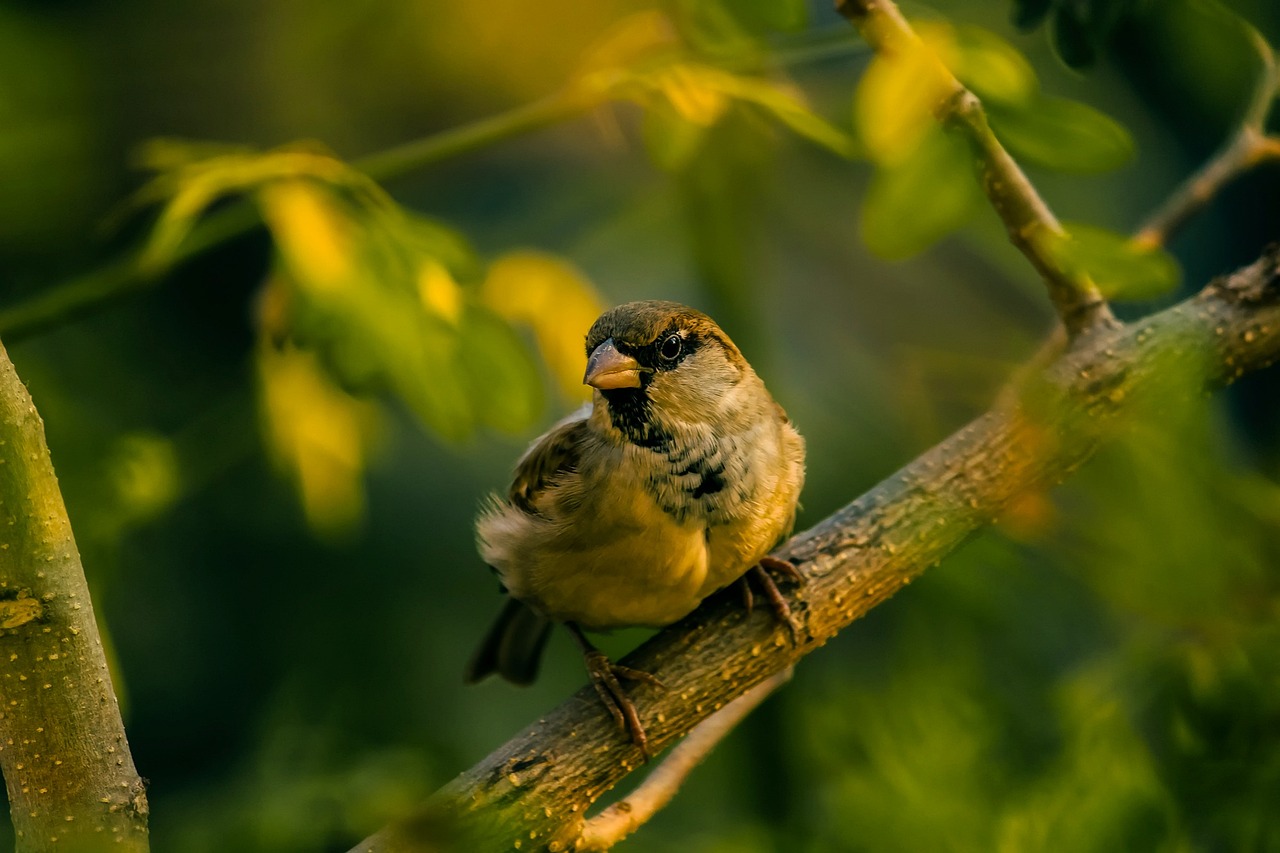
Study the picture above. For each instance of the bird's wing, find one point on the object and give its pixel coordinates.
(554, 454)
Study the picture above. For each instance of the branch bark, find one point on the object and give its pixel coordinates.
(1028, 220)
(70, 776)
(533, 792)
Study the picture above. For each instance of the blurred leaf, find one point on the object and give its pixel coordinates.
(787, 105)
(916, 202)
(670, 139)
(1072, 40)
(895, 99)
(1064, 135)
(501, 372)
(1119, 267)
(763, 16)
(711, 29)
(192, 182)
(551, 297)
(318, 434)
(682, 99)
(1029, 14)
(143, 468)
(635, 38)
(995, 70)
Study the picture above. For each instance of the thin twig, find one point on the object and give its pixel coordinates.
(1248, 147)
(627, 815)
(1077, 301)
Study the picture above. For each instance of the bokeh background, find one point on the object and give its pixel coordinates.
(275, 516)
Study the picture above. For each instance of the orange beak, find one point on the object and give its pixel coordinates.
(607, 369)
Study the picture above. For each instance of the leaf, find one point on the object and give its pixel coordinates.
(1072, 40)
(554, 300)
(502, 375)
(912, 204)
(671, 140)
(320, 435)
(992, 68)
(1029, 14)
(765, 15)
(895, 99)
(1120, 268)
(1064, 135)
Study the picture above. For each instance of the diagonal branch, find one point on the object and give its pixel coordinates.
(533, 792)
(1028, 220)
(1249, 146)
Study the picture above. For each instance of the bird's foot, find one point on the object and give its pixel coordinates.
(777, 601)
(606, 677)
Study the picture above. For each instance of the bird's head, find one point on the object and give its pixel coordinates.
(661, 358)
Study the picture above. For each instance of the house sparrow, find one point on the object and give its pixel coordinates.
(674, 482)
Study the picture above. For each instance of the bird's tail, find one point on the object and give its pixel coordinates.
(512, 647)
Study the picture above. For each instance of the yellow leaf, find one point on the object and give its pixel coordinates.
(552, 298)
(318, 434)
(313, 234)
(696, 93)
(439, 292)
(896, 98)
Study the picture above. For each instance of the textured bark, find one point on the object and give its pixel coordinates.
(70, 777)
(532, 793)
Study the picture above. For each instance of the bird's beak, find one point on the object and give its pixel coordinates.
(607, 368)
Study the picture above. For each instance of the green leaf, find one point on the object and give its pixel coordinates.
(771, 15)
(1072, 40)
(500, 371)
(670, 139)
(1029, 14)
(1063, 135)
(992, 67)
(1120, 268)
(913, 204)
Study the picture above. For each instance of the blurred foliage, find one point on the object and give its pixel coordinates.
(272, 460)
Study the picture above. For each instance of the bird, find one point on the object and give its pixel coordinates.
(675, 481)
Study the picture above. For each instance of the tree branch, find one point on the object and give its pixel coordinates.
(1028, 220)
(533, 792)
(67, 766)
(1248, 147)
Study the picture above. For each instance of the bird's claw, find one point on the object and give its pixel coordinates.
(605, 675)
(777, 601)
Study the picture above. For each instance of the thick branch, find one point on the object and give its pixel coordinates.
(70, 777)
(1026, 217)
(532, 792)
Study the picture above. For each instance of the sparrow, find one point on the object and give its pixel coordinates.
(674, 482)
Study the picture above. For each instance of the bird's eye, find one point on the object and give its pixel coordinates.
(670, 349)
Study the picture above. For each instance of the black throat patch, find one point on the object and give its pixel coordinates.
(630, 415)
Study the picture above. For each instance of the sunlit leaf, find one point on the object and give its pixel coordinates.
(318, 434)
(895, 100)
(312, 232)
(1062, 134)
(992, 67)
(916, 202)
(555, 300)
(787, 105)
(1119, 267)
